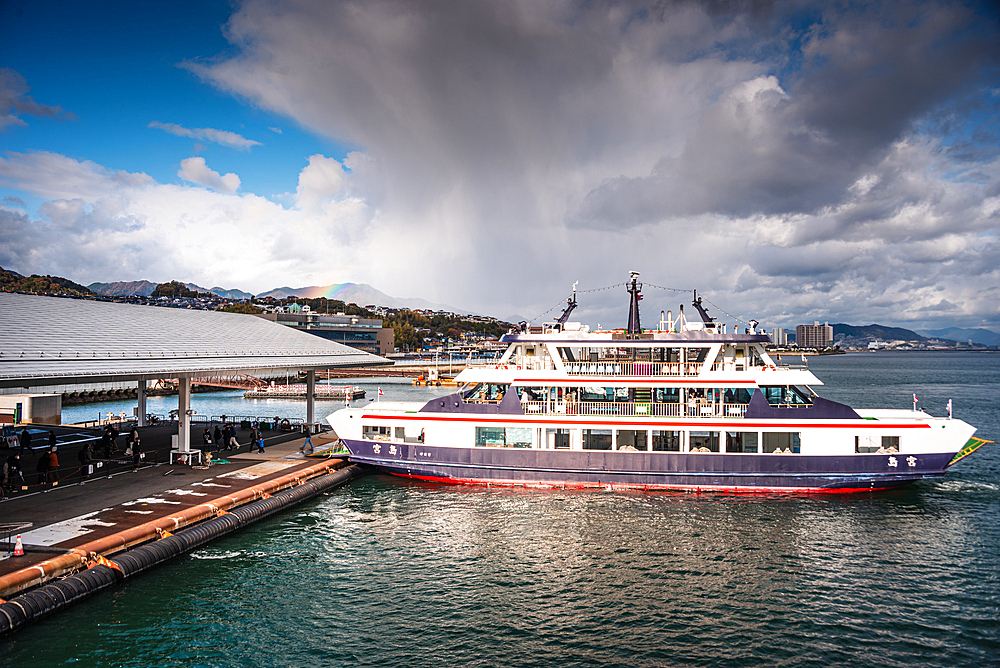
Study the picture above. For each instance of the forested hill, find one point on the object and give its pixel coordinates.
(124, 288)
(11, 281)
(876, 331)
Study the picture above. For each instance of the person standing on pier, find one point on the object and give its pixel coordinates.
(217, 434)
(84, 457)
(233, 443)
(11, 474)
(25, 440)
(52, 440)
(42, 468)
(136, 451)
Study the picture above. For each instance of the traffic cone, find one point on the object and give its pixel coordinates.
(18, 547)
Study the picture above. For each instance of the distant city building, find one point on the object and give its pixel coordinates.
(814, 335)
(362, 333)
(779, 336)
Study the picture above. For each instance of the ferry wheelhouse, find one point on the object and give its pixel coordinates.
(685, 406)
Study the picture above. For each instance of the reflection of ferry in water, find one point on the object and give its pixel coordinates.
(687, 406)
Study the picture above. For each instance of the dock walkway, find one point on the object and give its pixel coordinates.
(68, 516)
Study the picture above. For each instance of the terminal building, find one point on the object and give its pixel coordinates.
(814, 335)
(365, 334)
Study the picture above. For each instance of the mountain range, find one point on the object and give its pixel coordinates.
(978, 335)
(361, 294)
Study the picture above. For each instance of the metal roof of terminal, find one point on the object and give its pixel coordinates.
(53, 341)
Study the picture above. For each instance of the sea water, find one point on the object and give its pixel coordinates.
(388, 572)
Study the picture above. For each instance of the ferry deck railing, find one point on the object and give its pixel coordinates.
(634, 409)
(634, 368)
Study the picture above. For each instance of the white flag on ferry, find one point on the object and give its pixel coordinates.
(949, 408)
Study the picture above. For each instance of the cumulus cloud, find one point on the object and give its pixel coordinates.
(196, 171)
(223, 137)
(15, 101)
(98, 224)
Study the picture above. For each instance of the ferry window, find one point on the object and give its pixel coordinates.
(412, 437)
(375, 433)
(518, 437)
(592, 393)
(785, 442)
(487, 393)
(864, 445)
(890, 443)
(489, 437)
(774, 395)
(704, 441)
(569, 354)
(596, 439)
(737, 395)
(500, 437)
(667, 395)
(632, 439)
(666, 441)
(795, 396)
(557, 439)
(741, 441)
(697, 354)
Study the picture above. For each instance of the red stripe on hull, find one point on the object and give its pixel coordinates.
(643, 488)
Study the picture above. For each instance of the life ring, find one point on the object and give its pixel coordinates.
(286, 425)
(518, 367)
(770, 367)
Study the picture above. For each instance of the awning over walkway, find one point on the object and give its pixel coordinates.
(56, 341)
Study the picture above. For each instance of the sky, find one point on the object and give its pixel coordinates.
(792, 161)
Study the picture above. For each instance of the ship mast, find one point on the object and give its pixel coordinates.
(570, 305)
(634, 290)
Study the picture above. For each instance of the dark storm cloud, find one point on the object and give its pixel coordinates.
(797, 143)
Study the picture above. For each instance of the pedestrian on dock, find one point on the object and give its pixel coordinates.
(308, 443)
(11, 474)
(42, 468)
(231, 439)
(276, 421)
(217, 434)
(136, 451)
(107, 443)
(52, 440)
(258, 436)
(25, 440)
(206, 438)
(84, 457)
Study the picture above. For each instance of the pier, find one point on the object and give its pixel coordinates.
(81, 538)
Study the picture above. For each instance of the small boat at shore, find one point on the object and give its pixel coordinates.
(686, 406)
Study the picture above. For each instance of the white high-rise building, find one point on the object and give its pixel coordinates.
(779, 336)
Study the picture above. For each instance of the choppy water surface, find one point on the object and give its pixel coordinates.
(393, 573)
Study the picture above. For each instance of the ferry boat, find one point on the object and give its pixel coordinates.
(685, 406)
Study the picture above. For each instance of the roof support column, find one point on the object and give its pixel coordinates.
(183, 414)
(140, 395)
(310, 399)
